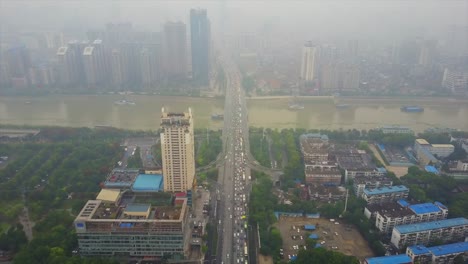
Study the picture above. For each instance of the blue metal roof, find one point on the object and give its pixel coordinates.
(403, 203)
(424, 208)
(449, 249)
(382, 170)
(382, 190)
(397, 259)
(431, 169)
(309, 227)
(313, 236)
(148, 183)
(419, 250)
(411, 228)
(440, 205)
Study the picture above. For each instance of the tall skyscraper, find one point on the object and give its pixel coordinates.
(309, 61)
(19, 61)
(90, 66)
(116, 69)
(177, 150)
(175, 46)
(76, 49)
(65, 65)
(200, 42)
(150, 65)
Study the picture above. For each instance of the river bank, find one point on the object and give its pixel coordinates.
(273, 112)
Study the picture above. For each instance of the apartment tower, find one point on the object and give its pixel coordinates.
(177, 151)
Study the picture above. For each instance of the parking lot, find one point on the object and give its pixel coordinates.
(340, 237)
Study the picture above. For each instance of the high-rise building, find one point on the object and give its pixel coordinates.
(116, 69)
(65, 65)
(177, 150)
(200, 42)
(150, 65)
(455, 80)
(90, 66)
(102, 62)
(76, 48)
(175, 46)
(130, 64)
(19, 61)
(309, 61)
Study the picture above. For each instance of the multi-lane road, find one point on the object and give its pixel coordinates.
(234, 177)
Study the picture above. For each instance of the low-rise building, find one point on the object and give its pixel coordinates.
(322, 174)
(462, 165)
(326, 193)
(402, 213)
(447, 230)
(385, 194)
(132, 217)
(395, 259)
(442, 150)
(370, 182)
(396, 130)
(357, 163)
(314, 148)
(442, 254)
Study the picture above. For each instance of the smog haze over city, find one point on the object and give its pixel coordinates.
(234, 131)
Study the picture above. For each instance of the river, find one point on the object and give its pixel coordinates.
(92, 110)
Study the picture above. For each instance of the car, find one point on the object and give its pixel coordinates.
(323, 242)
(336, 233)
(336, 223)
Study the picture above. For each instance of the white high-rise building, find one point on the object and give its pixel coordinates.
(309, 61)
(177, 151)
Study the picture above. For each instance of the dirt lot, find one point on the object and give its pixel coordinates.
(265, 259)
(348, 240)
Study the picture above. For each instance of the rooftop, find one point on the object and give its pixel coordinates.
(422, 141)
(419, 227)
(383, 190)
(431, 169)
(397, 259)
(424, 208)
(148, 183)
(371, 179)
(119, 178)
(62, 50)
(419, 250)
(98, 210)
(109, 195)
(442, 146)
(88, 51)
(393, 210)
(449, 249)
(355, 161)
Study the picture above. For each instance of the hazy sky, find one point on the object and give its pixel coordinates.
(311, 18)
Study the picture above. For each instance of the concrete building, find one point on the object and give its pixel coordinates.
(442, 150)
(119, 223)
(150, 65)
(357, 163)
(462, 165)
(370, 182)
(455, 80)
(322, 174)
(396, 130)
(314, 148)
(385, 194)
(200, 33)
(309, 61)
(443, 254)
(175, 49)
(65, 65)
(116, 69)
(91, 68)
(19, 61)
(402, 213)
(177, 150)
(426, 152)
(448, 230)
(395, 259)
